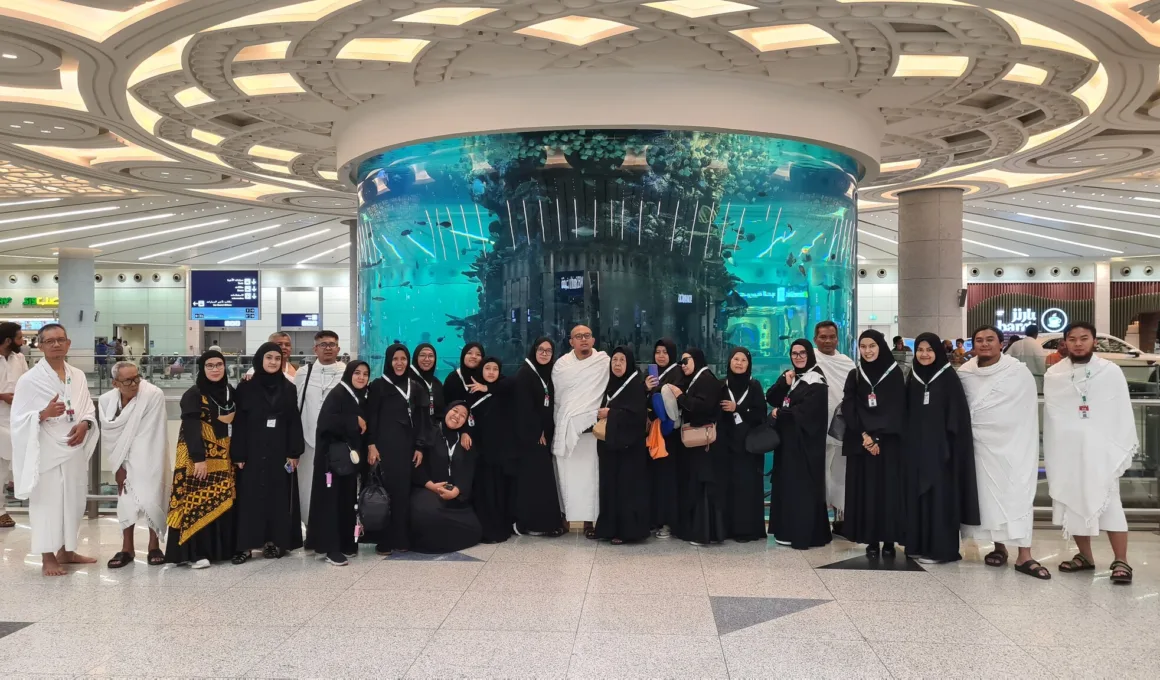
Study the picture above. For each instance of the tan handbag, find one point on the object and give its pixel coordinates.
(600, 429)
(698, 437)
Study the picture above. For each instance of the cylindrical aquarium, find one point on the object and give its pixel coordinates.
(712, 239)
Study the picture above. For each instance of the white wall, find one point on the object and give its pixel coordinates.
(878, 299)
(336, 314)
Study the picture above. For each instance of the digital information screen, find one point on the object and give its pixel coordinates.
(300, 321)
(221, 323)
(224, 295)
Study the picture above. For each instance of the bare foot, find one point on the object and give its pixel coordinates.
(50, 566)
(70, 557)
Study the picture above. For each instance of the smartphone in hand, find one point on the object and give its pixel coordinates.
(653, 370)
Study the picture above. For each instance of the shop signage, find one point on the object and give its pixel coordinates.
(41, 302)
(1052, 320)
(4, 302)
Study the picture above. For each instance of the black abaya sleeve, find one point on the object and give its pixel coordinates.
(453, 389)
(374, 408)
(422, 474)
(777, 392)
(191, 424)
(239, 447)
(807, 411)
(297, 439)
(962, 446)
(463, 467)
(338, 420)
(527, 404)
(702, 402)
(627, 415)
(853, 441)
(421, 425)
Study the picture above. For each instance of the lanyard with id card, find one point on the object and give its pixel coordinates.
(872, 399)
(1084, 408)
(547, 399)
(926, 385)
(736, 415)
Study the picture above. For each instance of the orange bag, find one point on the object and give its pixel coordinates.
(656, 441)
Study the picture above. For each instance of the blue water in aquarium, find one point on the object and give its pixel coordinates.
(712, 239)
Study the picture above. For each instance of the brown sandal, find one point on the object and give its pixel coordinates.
(1076, 564)
(1121, 573)
(6, 521)
(995, 558)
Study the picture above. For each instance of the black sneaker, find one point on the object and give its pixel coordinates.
(337, 559)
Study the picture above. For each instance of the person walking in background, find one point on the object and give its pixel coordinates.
(1058, 355)
(1005, 426)
(625, 500)
(703, 517)
(201, 505)
(1089, 441)
(12, 366)
(580, 377)
(874, 408)
(836, 367)
(742, 409)
(800, 401)
(537, 500)
(341, 423)
(101, 357)
(941, 489)
(663, 472)
(1030, 351)
(312, 387)
(267, 443)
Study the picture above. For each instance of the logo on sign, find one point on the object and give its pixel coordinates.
(1052, 320)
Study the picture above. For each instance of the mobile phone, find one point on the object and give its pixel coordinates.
(289, 468)
(448, 485)
(653, 370)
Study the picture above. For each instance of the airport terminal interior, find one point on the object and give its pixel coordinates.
(181, 175)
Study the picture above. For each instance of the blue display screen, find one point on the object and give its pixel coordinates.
(221, 323)
(300, 321)
(216, 295)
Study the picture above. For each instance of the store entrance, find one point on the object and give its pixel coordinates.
(135, 337)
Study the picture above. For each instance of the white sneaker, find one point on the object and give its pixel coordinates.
(699, 545)
(200, 564)
(516, 529)
(664, 532)
(780, 542)
(928, 560)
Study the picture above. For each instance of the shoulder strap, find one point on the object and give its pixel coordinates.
(305, 386)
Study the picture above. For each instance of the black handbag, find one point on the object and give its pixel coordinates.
(341, 460)
(374, 503)
(763, 438)
(838, 426)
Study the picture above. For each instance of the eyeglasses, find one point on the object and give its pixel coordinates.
(799, 355)
(327, 345)
(216, 366)
(55, 342)
(685, 361)
(547, 351)
(133, 381)
(582, 336)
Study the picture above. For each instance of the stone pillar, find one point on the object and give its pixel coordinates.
(353, 332)
(1103, 299)
(77, 292)
(930, 262)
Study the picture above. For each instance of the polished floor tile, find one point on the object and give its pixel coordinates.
(495, 654)
(648, 614)
(764, 581)
(884, 586)
(935, 660)
(342, 652)
(1087, 662)
(826, 621)
(632, 577)
(403, 575)
(750, 658)
(219, 650)
(616, 655)
(732, 614)
(946, 622)
(516, 611)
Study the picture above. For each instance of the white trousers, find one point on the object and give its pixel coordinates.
(578, 479)
(305, 479)
(57, 504)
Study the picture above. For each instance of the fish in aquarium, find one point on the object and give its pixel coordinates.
(802, 269)
(379, 298)
(406, 232)
(832, 288)
(727, 254)
(762, 194)
(806, 257)
(441, 338)
(445, 223)
(421, 223)
(789, 260)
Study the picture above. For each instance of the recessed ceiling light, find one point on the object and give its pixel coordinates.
(155, 234)
(211, 241)
(238, 257)
(1049, 238)
(1118, 212)
(785, 36)
(301, 238)
(57, 127)
(988, 245)
(576, 30)
(323, 253)
(7, 55)
(28, 122)
(881, 238)
(66, 213)
(87, 227)
(29, 202)
(1088, 224)
(14, 126)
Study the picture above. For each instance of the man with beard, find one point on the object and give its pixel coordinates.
(836, 368)
(1005, 424)
(12, 366)
(1089, 440)
(580, 377)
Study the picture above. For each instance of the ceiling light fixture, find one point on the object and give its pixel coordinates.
(156, 234)
(695, 9)
(930, 66)
(238, 257)
(988, 245)
(210, 242)
(1118, 212)
(785, 36)
(1088, 224)
(382, 49)
(446, 16)
(881, 238)
(576, 30)
(67, 213)
(87, 227)
(1049, 238)
(324, 253)
(301, 238)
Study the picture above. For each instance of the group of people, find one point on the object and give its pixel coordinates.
(583, 437)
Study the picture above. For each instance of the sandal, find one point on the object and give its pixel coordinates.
(995, 558)
(121, 559)
(242, 558)
(617, 541)
(1077, 563)
(1121, 573)
(590, 533)
(6, 521)
(556, 533)
(270, 552)
(156, 558)
(1034, 569)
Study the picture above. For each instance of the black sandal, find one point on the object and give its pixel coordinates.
(270, 552)
(590, 533)
(121, 559)
(995, 558)
(556, 533)
(1076, 564)
(1125, 573)
(242, 558)
(1034, 569)
(156, 558)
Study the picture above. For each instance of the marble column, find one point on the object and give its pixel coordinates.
(930, 262)
(77, 292)
(1103, 299)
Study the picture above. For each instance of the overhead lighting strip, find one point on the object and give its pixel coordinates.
(880, 238)
(324, 253)
(1119, 212)
(988, 245)
(87, 227)
(209, 242)
(157, 234)
(301, 238)
(238, 257)
(67, 213)
(29, 202)
(1049, 238)
(1088, 224)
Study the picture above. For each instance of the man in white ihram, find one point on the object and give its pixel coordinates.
(580, 377)
(12, 366)
(836, 368)
(1089, 440)
(1005, 423)
(314, 385)
(134, 443)
(54, 431)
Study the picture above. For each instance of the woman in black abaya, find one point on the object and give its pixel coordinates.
(663, 471)
(424, 361)
(537, 501)
(797, 506)
(396, 431)
(941, 490)
(491, 420)
(874, 408)
(441, 517)
(267, 442)
(457, 384)
(330, 528)
(624, 475)
(706, 470)
(742, 408)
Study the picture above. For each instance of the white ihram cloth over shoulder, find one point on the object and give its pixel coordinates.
(137, 441)
(1005, 422)
(1085, 457)
(52, 475)
(579, 387)
(836, 368)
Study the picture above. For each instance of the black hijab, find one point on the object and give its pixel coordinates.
(389, 371)
(739, 382)
(877, 368)
(469, 373)
(674, 375)
(614, 382)
(270, 382)
(348, 379)
(940, 356)
(811, 358)
(449, 435)
(218, 391)
(428, 377)
(543, 370)
(698, 358)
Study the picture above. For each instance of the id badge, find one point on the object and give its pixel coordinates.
(872, 401)
(1084, 411)
(737, 418)
(926, 398)
(785, 403)
(329, 480)
(470, 420)
(273, 422)
(547, 401)
(431, 409)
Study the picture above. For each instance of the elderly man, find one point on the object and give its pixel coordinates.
(836, 368)
(314, 385)
(286, 345)
(54, 431)
(12, 366)
(134, 441)
(580, 377)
